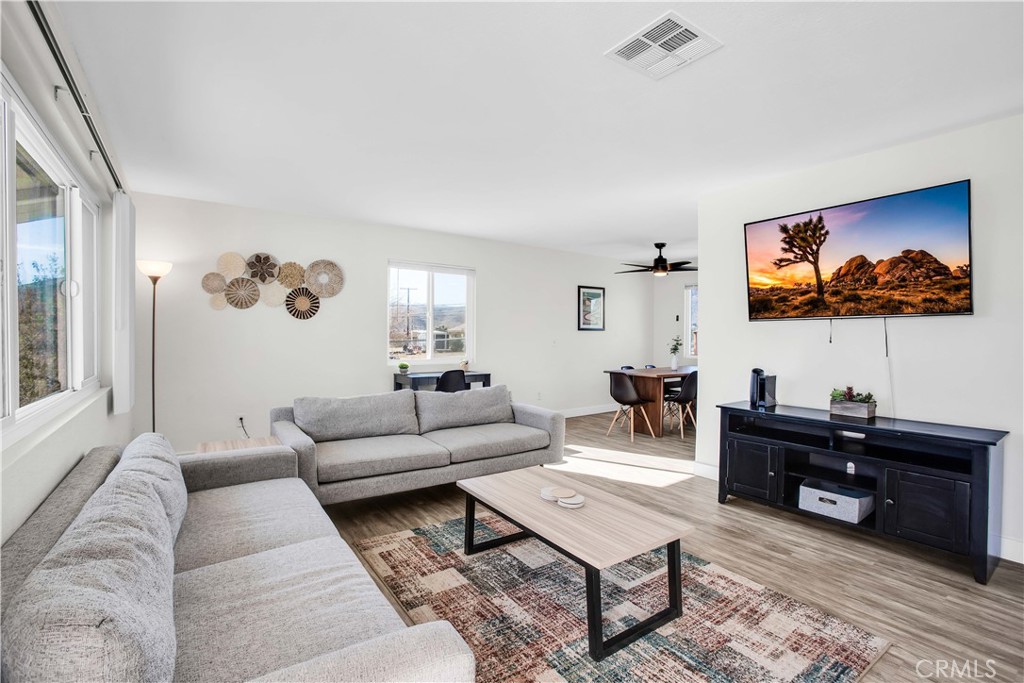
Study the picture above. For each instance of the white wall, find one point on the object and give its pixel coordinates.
(959, 369)
(215, 365)
(669, 303)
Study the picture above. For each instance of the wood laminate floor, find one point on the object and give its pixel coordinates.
(924, 601)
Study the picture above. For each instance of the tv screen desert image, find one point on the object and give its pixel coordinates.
(904, 254)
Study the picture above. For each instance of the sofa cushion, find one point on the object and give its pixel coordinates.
(376, 455)
(253, 615)
(234, 521)
(29, 544)
(99, 606)
(489, 441)
(441, 410)
(329, 419)
(152, 457)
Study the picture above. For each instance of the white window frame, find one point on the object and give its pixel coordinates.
(431, 268)
(20, 124)
(688, 313)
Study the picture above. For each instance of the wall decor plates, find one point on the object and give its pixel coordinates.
(242, 292)
(231, 265)
(291, 275)
(263, 267)
(214, 283)
(302, 303)
(273, 294)
(218, 302)
(324, 278)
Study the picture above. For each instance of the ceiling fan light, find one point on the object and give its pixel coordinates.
(660, 273)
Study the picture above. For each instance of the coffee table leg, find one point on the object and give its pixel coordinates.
(601, 648)
(595, 631)
(470, 546)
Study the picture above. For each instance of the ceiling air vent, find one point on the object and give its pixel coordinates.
(664, 46)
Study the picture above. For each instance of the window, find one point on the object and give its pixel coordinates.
(49, 293)
(430, 312)
(691, 320)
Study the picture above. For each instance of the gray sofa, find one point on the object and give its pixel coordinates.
(220, 567)
(351, 448)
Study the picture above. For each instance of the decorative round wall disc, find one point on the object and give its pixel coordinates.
(324, 278)
(291, 275)
(302, 303)
(273, 294)
(263, 267)
(231, 265)
(214, 283)
(242, 292)
(218, 302)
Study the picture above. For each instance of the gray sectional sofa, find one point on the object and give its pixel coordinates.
(142, 566)
(351, 448)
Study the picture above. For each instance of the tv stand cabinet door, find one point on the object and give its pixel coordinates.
(752, 469)
(931, 510)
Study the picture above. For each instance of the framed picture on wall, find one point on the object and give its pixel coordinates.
(590, 308)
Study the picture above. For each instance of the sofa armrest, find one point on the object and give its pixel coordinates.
(243, 466)
(290, 435)
(550, 421)
(426, 653)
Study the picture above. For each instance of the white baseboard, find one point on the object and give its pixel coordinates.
(589, 410)
(1009, 548)
(702, 469)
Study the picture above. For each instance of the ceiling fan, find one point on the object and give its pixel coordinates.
(661, 267)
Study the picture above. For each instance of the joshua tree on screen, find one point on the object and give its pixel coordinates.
(802, 244)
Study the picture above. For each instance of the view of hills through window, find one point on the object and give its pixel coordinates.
(41, 263)
(427, 314)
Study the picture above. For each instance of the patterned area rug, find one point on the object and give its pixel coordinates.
(521, 608)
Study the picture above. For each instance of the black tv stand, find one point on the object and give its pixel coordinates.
(939, 485)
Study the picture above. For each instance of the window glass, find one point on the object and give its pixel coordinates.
(41, 258)
(692, 296)
(428, 313)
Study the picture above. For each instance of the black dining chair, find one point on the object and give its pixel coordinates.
(683, 403)
(649, 367)
(625, 395)
(451, 381)
(626, 367)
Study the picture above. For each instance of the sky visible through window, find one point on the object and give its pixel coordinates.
(40, 242)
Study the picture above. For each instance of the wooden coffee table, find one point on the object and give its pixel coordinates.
(605, 531)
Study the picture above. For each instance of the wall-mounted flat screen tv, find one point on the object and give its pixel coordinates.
(902, 254)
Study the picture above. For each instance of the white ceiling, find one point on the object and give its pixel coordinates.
(506, 121)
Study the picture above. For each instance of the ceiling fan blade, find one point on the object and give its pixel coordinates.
(640, 270)
(677, 263)
(683, 269)
(636, 265)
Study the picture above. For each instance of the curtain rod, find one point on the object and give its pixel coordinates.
(51, 41)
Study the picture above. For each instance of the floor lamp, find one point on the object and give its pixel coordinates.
(154, 270)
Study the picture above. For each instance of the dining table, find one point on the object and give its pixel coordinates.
(650, 387)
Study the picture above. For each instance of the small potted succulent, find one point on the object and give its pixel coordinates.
(852, 404)
(403, 368)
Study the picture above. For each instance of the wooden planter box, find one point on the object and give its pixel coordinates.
(852, 409)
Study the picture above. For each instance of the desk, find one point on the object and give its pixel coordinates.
(234, 444)
(649, 383)
(418, 380)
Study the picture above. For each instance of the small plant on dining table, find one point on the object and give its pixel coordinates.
(676, 345)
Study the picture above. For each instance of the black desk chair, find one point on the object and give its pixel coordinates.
(625, 395)
(682, 403)
(452, 381)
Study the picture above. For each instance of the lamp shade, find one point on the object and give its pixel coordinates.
(154, 268)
